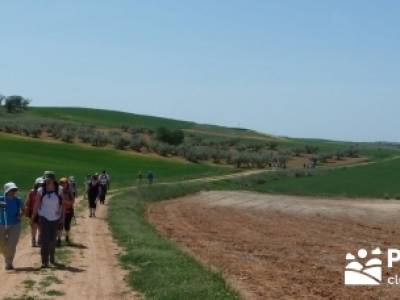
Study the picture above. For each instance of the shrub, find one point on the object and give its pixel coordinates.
(99, 139)
(67, 136)
(298, 151)
(352, 151)
(310, 149)
(172, 137)
(340, 155)
(273, 145)
(120, 143)
(137, 143)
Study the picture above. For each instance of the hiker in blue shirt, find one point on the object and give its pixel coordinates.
(10, 223)
(150, 177)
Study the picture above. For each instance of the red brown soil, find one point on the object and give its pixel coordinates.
(281, 247)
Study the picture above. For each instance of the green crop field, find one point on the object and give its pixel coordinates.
(376, 180)
(23, 159)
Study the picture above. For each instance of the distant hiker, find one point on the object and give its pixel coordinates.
(28, 210)
(72, 186)
(93, 194)
(150, 177)
(87, 181)
(104, 180)
(140, 178)
(49, 207)
(10, 223)
(68, 200)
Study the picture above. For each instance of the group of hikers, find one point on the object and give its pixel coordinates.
(49, 206)
(150, 178)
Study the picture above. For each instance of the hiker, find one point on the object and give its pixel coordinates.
(49, 208)
(87, 181)
(72, 186)
(93, 194)
(140, 178)
(10, 223)
(104, 181)
(68, 200)
(28, 211)
(150, 177)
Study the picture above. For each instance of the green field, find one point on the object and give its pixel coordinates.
(23, 159)
(376, 180)
(157, 267)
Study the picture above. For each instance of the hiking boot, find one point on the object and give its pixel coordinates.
(9, 267)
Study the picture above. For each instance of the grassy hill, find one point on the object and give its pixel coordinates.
(24, 159)
(204, 143)
(115, 119)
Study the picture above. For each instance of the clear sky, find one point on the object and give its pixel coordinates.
(328, 69)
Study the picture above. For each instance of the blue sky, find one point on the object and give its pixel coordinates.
(327, 69)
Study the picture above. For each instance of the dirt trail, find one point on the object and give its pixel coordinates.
(281, 247)
(91, 272)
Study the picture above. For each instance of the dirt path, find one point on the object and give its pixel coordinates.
(92, 270)
(281, 247)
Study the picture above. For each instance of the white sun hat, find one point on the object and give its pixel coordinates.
(10, 186)
(39, 180)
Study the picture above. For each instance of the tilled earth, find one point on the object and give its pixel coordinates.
(282, 247)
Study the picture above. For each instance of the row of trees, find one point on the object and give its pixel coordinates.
(351, 151)
(168, 143)
(69, 133)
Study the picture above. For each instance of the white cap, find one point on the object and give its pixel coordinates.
(10, 186)
(39, 181)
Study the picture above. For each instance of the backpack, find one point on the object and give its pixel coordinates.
(103, 179)
(30, 203)
(3, 199)
(56, 191)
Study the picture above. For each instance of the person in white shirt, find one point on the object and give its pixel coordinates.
(49, 208)
(104, 180)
